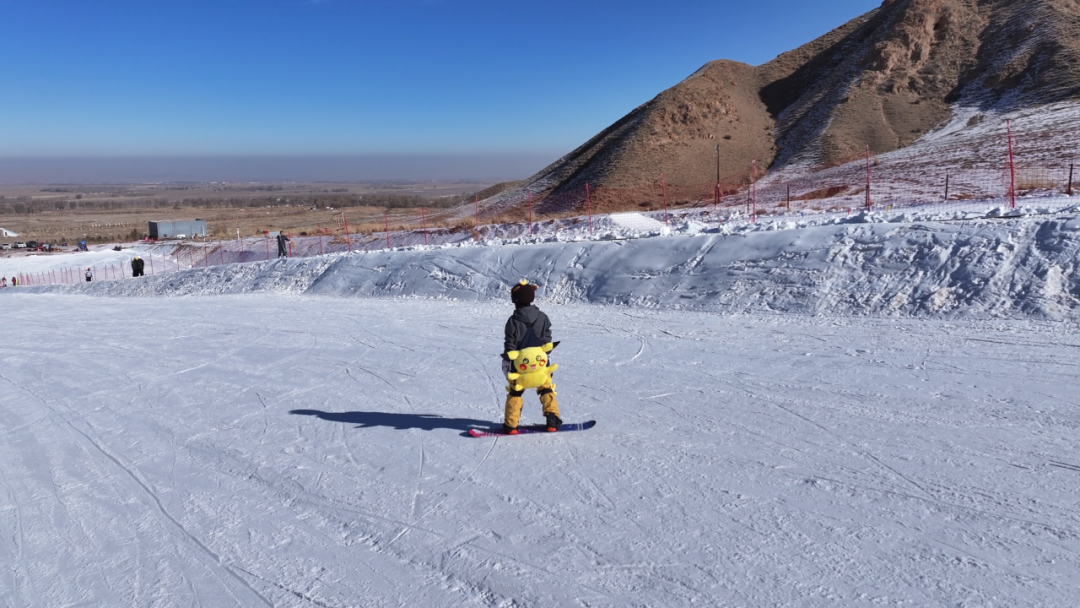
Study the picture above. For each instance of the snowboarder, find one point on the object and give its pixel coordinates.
(89, 275)
(526, 350)
(282, 245)
(137, 265)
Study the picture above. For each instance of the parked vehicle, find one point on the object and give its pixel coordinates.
(5, 245)
(20, 245)
(32, 244)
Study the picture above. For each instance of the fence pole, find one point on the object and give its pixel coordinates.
(206, 257)
(1068, 189)
(386, 225)
(530, 213)
(788, 202)
(423, 220)
(753, 189)
(868, 177)
(663, 190)
(946, 187)
(348, 240)
(476, 211)
(266, 240)
(588, 202)
(320, 238)
(289, 236)
(1012, 167)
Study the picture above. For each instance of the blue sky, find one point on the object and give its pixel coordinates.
(361, 77)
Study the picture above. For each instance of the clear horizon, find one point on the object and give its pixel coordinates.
(405, 81)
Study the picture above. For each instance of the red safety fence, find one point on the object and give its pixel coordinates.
(956, 179)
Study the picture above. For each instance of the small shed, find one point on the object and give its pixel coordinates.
(179, 229)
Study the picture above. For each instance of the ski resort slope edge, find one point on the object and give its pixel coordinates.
(868, 264)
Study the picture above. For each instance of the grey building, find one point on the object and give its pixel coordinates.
(179, 229)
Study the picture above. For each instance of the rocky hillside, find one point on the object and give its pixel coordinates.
(881, 80)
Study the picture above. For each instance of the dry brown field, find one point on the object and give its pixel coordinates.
(297, 213)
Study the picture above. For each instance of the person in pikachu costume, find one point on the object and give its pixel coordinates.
(526, 358)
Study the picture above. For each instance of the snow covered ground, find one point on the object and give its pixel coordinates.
(274, 449)
(881, 264)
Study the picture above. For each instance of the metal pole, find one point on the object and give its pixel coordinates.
(1012, 167)
(266, 240)
(423, 219)
(753, 189)
(530, 213)
(386, 221)
(867, 177)
(946, 187)
(320, 239)
(663, 189)
(1068, 190)
(348, 240)
(588, 201)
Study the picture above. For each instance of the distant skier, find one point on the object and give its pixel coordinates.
(282, 245)
(14, 281)
(89, 275)
(137, 265)
(526, 347)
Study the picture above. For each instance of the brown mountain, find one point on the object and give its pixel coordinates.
(882, 80)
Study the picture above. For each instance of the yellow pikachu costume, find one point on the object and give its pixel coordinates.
(527, 348)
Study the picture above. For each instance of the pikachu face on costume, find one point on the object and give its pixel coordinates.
(530, 367)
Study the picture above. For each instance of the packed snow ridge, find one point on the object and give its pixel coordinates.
(1023, 264)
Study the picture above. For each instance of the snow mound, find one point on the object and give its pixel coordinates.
(865, 264)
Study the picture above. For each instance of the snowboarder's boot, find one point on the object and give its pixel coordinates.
(551, 407)
(512, 414)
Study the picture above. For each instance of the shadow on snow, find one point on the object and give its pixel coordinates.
(400, 422)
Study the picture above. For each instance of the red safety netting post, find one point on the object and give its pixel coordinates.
(1012, 167)
(221, 252)
(753, 191)
(530, 213)
(946, 187)
(423, 220)
(476, 211)
(386, 225)
(266, 240)
(320, 238)
(289, 237)
(663, 189)
(867, 177)
(588, 202)
(348, 239)
(206, 257)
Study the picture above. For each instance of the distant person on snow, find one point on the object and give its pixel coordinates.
(3, 283)
(89, 275)
(14, 281)
(525, 358)
(282, 245)
(137, 266)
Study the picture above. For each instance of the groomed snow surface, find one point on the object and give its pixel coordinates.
(879, 411)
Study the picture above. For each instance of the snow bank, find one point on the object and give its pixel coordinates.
(865, 264)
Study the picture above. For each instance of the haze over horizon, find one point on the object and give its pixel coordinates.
(295, 89)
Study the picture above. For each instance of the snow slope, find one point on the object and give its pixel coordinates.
(281, 450)
(880, 264)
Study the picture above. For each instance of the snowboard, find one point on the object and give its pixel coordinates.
(534, 428)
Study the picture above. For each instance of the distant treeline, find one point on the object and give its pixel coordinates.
(319, 201)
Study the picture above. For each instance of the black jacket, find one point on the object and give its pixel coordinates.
(517, 327)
